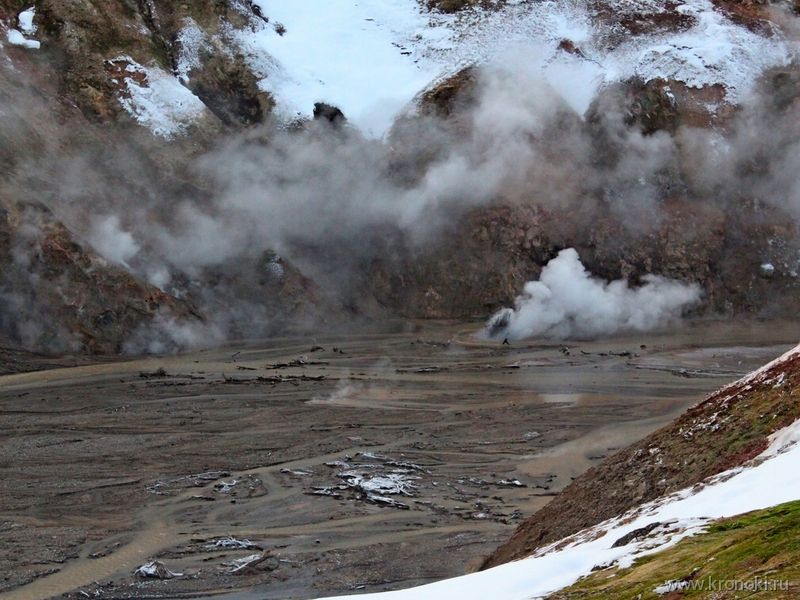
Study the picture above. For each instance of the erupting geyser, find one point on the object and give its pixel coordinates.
(568, 302)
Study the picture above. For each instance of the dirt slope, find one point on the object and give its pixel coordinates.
(730, 427)
(63, 296)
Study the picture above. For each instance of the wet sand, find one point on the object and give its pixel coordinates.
(104, 467)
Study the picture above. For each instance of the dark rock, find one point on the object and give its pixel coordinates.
(230, 90)
(328, 112)
(636, 535)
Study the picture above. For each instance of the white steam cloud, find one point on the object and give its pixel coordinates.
(228, 229)
(112, 242)
(568, 302)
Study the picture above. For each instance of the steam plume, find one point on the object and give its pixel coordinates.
(568, 302)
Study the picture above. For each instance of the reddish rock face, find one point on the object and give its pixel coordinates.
(64, 296)
(79, 38)
(753, 14)
(486, 260)
(569, 47)
(483, 260)
(57, 294)
(639, 18)
(452, 95)
(477, 262)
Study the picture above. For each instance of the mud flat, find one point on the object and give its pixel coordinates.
(300, 467)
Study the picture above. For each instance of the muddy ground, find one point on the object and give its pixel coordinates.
(296, 468)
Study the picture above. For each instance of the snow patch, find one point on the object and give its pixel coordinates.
(230, 543)
(26, 29)
(15, 38)
(671, 586)
(715, 50)
(155, 570)
(157, 100)
(355, 56)
(191, 42)
(372, 59)
(26, 24)
(240, 564)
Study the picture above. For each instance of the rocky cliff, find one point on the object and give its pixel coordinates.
(123, 116)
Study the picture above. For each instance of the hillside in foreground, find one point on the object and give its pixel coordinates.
(755, 554)
(725, 431)
(686, 496)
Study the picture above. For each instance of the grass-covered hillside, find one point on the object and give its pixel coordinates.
(756, 555)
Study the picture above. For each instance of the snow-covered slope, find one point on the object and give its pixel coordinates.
(666, 521)
(371, 58)
(156, 99)
(356, 55)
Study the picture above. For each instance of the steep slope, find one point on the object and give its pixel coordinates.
(725, 431)
(63, 296)
(238, 58)
(485, 261)
(123, 60)
(101, 117)
(682, 228)
(755, 554)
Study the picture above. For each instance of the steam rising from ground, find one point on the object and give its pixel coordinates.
(568, 302)
(287, 190)
(330, 201)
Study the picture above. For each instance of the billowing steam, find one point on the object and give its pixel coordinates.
(568, 302)
(226, 227)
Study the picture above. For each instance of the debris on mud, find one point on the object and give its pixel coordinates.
(376, 480)
(477, 481)
(296, 472)
(167, 487)
(427, 436)
(230, 543)
(263, 560)
(248, 486)
(297, 363)
(400, 464)
(423, 370)
(155, 570)
(274, 379)
(157, 374)
(105, 551)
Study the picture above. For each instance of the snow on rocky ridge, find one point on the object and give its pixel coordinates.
(156, 99)
(372, 58)
(666, 521)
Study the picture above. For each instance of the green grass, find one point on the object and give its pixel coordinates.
(760, 546)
